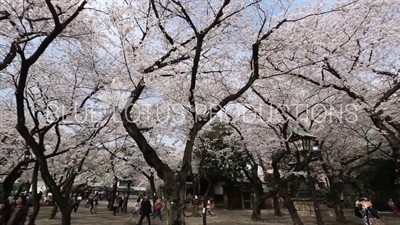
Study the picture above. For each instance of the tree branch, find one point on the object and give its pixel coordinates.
(150, 155)
(9, 57)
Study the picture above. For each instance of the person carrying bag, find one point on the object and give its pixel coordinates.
(369, 215)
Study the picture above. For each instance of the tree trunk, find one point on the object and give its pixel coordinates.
(174, 193)
(153, 188)
(127, 198)
(256, 215)
(35, 196)
(277, 207)
(113, 194)
(336, 190)
(204, 215)
(9, 181)
(195, 210)
(36, 207)
(292, 211)
(53, 212)
(196, 195)
(229, 197)
(66, 219)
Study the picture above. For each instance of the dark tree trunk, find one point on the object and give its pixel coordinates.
(288, 202)
(53, 212)
(9, 181)
(174, 192)
(153, 188)
(229, 197)
(113, 194)
(115, 186)
(204, 215)
(38, 146)
(205, 200)
(292, 210)
(277, 206)
(66, 219)
(195, 211)
(36, 207)
(127, 198)
(35, 195)
(336, 190)
(256, 214)
(196, 196)
(281, 189)
(255, 181)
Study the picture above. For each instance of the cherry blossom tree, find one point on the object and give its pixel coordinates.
(189, 48)
(32, 27)
(179, 48)
(352, 51)
(346, 149)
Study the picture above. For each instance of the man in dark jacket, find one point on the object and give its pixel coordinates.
(145, 210)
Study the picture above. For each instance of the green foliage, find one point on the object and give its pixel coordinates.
(353, 197)
(326, 194)
(224, 159)
(379, 176)
(378, 181)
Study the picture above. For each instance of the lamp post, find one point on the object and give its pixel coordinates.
(302, 141)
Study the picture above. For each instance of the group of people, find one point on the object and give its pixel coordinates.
(143, 209)
(14, 213)
(118, 205)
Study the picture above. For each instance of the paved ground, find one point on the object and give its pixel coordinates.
(221, 217)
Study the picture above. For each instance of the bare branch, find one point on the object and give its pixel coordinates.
(9, 57)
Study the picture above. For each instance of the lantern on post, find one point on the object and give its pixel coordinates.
(302, 141)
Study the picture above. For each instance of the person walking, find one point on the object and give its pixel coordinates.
(136, 210)
(88, 200)
(363, 209)
(96, 200)
(116, 205)
(145, 210)
(393, 206)
(157, 209)
(121, 205)
(138, 204)
(209, 207)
